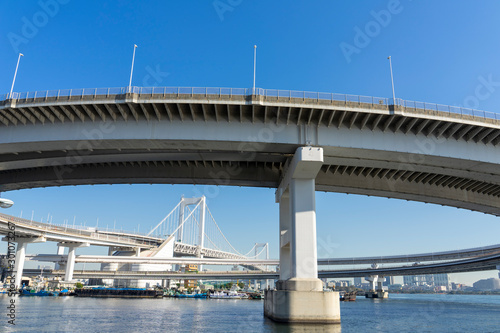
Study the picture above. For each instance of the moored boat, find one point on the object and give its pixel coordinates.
(34, 292)
(348, 296)
(200, 295)
(255, 296)
(231, 294)
(118, 292)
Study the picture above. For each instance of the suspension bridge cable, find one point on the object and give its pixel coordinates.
(182, 224)
(222, 233)
(164, 219)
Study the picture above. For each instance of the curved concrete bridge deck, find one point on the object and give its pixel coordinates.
(227, 136)
(42, 232)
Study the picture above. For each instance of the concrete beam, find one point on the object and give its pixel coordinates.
(26, 240)
(305, 164)
(60, 252)
(73, 244)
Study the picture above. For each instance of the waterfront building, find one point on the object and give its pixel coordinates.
(430, 280)
(487, 284)
(342, 283)
(418, 280)
(389, 280)
(441, 280)
(358, 281)
(457, 286)
(190, 283)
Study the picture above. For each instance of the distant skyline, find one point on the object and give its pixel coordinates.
(323, 46)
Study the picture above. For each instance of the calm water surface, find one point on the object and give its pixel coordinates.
(399, 313)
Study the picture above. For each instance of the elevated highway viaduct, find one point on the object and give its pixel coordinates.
(297, 142)
(221, 136)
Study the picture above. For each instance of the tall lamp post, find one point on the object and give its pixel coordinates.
(254, 66)
(392, 81)
(131, 70)
(15, 74)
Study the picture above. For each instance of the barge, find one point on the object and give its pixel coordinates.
(118, 292)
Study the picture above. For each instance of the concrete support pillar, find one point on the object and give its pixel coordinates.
(498, 267)
(22, 243)
(70, 263)
(372, 279)
(60, 251)
(303, 243)
(376, 287)
(299, 296)
(19, 266)
(380, 283)
(285, 232)
(109, 267)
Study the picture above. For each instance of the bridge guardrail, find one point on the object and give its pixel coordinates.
(275, 93)
(80, 232)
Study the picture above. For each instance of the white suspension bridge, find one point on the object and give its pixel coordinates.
(196, 233)
(189, 230)
(190, 235)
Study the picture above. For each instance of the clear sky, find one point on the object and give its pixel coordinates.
(441, 52)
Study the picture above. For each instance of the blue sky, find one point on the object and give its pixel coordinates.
(441, 52)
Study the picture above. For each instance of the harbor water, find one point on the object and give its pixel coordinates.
(399, 313)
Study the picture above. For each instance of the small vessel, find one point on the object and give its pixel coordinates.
(231, 294)
(197, 295)
(118, 292)
(34, 292)
(66, 292)
(348, 296)
(256, 296)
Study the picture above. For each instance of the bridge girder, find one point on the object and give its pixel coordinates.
(370, 149)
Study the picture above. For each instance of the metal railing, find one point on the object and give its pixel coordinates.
(266, 93)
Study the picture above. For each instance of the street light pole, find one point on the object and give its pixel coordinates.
(254, 66)
(132, 70)
(392, 81)
(15, 74)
